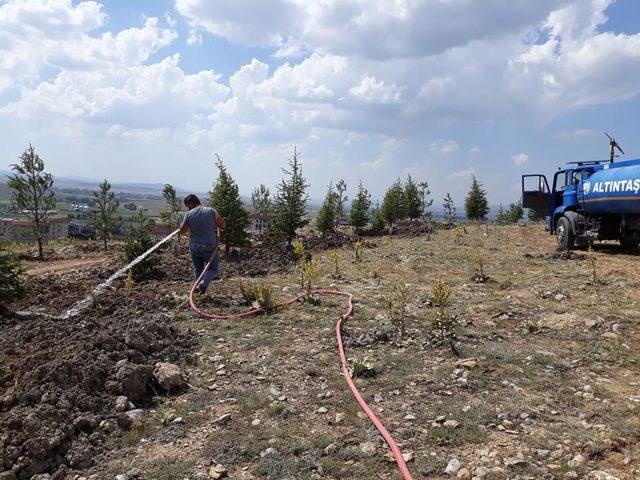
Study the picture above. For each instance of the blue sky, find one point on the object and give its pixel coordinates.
(148, 91)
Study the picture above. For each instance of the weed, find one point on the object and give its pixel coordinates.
(444, 324)
(362, 367)
(593, 261)
(357, 250)
(258, 296)
(335, 260)
(479, 259)
(376, 273)
(395, 302)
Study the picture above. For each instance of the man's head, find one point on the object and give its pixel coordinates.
(191, 201)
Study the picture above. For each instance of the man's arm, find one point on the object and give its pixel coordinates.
(184, 228)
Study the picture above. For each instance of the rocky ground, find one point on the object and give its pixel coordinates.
(546, 384)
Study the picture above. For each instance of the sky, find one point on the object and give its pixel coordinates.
(149, 91)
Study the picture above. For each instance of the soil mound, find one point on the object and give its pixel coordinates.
(62, 381)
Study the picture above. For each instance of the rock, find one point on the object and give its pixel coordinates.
(268, 451)
(368, 448)
(80, 455)
(330, 449)
(464, 473)
(591, 323)
(168, 376)
(322, 410)
(223, 419)
(135, 414)
(451, 423)
(133, 474)
(600, 475)
(7, 476)
(453, 466)
(481, 472)
(134, 379)
(576, 461)
(123, 404)
(610, 335)
(255, 422)
(469, 363)
(514, 462)
(217, 471)
(570, 474)
(340, 416)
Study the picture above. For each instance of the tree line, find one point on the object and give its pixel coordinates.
(282, 215)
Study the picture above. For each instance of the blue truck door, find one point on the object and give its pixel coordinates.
(536, 194)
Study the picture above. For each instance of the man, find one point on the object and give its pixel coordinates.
(203, 223)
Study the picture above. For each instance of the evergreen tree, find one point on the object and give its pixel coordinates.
(32, 193)
(475, 205)
(377, 222)
(105, 220)
(412, 199)
(136, 243)
(425, 201)
(449, 210)
(11, 277)
(291, 200)
(173, 216)
(516, 212)
(341, 200)
(393, 206)
(532, 216)
(359, 214)
(502, 217)
(261, 206)
(225, 198)
(325, 221)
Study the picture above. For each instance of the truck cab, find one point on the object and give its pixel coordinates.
(577, 212)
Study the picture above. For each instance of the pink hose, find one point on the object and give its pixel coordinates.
(397, 454)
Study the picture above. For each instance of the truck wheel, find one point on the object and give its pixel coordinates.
(564, 234)
(629, 244)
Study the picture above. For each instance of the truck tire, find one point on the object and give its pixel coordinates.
(564, 234)
(629, 244)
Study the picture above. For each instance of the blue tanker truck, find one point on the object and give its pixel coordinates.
(588, 201)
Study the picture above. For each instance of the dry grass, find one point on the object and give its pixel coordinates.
(544, 378)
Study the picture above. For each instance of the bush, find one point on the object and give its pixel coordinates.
(258, 296)
(444, 324)
(11, 277)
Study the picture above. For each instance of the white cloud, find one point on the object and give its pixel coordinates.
(520, 159)
(464, 174)
(579, 134)
(372, 91)
(39, 34)
(474, 149)
(444, 147)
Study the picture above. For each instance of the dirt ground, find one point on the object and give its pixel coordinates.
(546, 384)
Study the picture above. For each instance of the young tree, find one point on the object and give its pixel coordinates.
(412, 199)
(359, 214)
(325, 221)
(516, 212)
(225, 198)
(136, 243)
(393, 206)
(475, 205)
(261, 206)
(173, 216)
(11, 284)
(105, 214)
(532, 216)
(502, 217)
(425, 201)
(341, 200)
(377, 222)
(32, 193)
(449, 210)
(291, 201)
